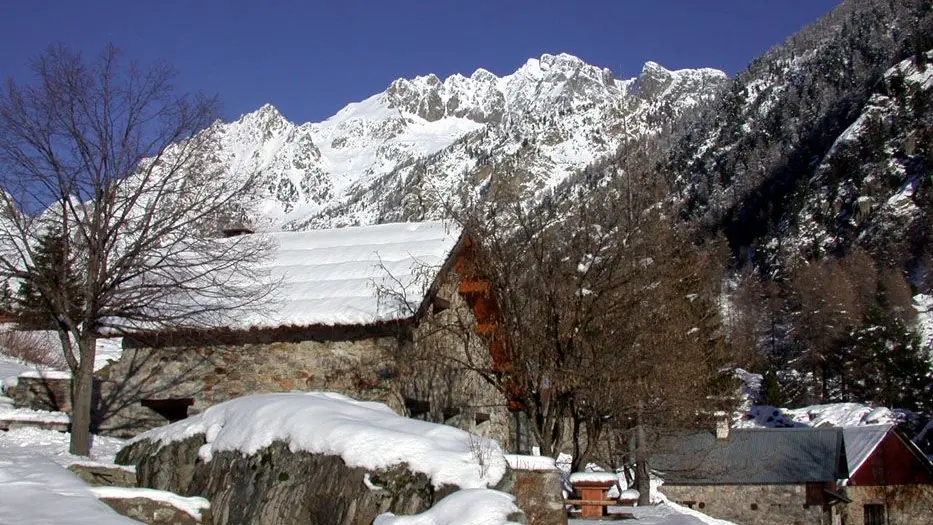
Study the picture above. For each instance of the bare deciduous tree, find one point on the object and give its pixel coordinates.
(608, 317)
(108, 156)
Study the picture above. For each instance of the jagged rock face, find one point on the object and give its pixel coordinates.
(170, 467)
(278, 486)
(402, 153)
(872, 187)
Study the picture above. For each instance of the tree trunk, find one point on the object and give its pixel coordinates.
(82, 389)
(642, 477)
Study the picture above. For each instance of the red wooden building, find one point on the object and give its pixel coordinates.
(890, 479)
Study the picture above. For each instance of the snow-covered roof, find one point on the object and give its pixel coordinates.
(353, 276)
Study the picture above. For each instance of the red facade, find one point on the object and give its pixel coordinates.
(893, 462)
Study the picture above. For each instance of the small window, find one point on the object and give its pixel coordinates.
(173, 409)
(874, 514)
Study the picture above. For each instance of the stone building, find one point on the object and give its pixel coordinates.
(376, 312)
(890, 479)
(757, 476)
(869, 475)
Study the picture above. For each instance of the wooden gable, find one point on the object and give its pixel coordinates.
(894, 461)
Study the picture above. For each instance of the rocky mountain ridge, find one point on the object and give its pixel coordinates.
(401, 153)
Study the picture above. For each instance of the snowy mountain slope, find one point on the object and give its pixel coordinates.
(400, 153)
(744, 163)
(871, 185)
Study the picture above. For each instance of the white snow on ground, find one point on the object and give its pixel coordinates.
(9, 369)
(54, 445)
(46, 374)
(665, 513)
(36, 490)
(108, 349)
(464, 507)
(365, 434)
(832, 414)
(9, 413)
(192, 506)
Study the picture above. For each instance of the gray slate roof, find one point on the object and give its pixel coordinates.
(752, 456)
(862, 441)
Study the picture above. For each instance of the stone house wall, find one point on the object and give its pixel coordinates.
(753, 504)
(424, 370)
(904, 504)
(439, 370)
(211, 374)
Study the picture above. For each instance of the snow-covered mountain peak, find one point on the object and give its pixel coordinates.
(429, 137)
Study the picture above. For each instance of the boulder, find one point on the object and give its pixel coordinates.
(169, 467)
(278, 486)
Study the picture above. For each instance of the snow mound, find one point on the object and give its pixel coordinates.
(191, 506)
(833, 414)
(534, 463)
(464, 507)
(364, 434)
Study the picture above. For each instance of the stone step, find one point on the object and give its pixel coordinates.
(155, 507)
(12, 423)
(102, 475)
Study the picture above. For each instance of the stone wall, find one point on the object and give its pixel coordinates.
(439, 370)
(752, 504)
(208, 375)
(37, 393)
(540, 496)
(904, 504)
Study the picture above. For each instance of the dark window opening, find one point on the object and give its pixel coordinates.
(874, 514)
(417, 407)
(173, 410)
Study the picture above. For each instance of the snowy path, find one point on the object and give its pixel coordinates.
(35, 488)
(665, 513)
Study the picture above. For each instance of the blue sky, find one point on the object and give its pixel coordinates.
(310, 59)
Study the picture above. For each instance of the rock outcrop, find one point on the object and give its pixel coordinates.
(276, 485)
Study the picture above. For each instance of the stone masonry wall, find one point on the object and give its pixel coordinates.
(750, 504)
(904, 504)
(439, 369)
(209, 375)
(39, 393)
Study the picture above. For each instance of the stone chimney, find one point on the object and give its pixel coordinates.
(722, 428)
